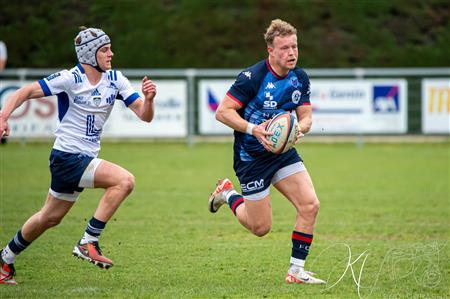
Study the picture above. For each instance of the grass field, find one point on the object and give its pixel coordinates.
(388, 203)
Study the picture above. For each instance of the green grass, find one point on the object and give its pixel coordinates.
(389, 201)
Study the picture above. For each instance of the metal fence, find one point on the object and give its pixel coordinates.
(191, 75)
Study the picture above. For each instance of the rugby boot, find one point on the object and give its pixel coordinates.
(300, 275)
(91, 252)
(7, 272)
(218, 197)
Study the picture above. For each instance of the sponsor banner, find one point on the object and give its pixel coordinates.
(359, 106)
(436, 106)
(34, 118)
(38, 117)
(339, 106)
(170, 118)
(211, 92)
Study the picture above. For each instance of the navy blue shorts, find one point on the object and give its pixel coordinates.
(67, 170)
(256, 176)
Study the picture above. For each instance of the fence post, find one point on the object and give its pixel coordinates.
(191, 74)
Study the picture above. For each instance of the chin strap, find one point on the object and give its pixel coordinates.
(99, 69)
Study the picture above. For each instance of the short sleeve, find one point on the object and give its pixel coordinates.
(56, 83)
(305, 88)
(243, 89)
(126, 91)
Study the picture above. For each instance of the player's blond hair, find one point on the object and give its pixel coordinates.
(278, 28)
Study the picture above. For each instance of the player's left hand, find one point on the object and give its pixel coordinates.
(4, 127)
(299, 134)
(148, 88)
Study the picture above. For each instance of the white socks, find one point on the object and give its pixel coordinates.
(8, 256)
(296, 265)
(87, 238)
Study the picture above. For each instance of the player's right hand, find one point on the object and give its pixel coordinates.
(262, 135)
(4, 127)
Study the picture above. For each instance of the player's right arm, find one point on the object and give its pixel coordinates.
(25, 93)
(227, 114)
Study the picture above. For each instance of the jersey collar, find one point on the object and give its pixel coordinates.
(273, 71)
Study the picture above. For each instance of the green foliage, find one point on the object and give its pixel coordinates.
(228, 34)
(390, 201)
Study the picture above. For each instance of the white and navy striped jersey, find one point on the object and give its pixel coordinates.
(84, 108)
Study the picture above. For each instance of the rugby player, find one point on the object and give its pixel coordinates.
(86, 95)
(270, 86)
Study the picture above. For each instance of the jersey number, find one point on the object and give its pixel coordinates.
(90, 126)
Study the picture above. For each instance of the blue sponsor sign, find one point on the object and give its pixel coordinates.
(386, 99)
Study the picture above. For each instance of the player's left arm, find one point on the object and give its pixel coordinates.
(145, 109)
(304, 116)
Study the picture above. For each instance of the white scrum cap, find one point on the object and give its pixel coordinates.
(87, 43)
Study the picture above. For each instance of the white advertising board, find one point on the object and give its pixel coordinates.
(339, 106)
(211, 92)
(34, 118)
(359, 106)
(38, 118)
(436, 106)
(170, 118)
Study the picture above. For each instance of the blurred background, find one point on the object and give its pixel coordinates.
(378, 151)
(377, 67)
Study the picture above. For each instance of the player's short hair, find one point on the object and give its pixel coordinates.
(278, 28)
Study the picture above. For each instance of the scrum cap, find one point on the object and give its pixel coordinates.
(88, 42)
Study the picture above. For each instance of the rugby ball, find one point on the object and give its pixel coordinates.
(284, 129)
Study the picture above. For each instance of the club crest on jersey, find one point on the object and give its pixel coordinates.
(294, 81)
(296, 95)
(97, 101)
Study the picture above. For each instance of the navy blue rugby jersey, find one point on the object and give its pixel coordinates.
(262, 94)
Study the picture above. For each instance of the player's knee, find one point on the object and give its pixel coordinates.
(127, 183)
(315, 206)
(312, 208)
(261, 230)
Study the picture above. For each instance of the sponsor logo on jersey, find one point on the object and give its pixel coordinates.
(112, 85)
(95, 93)
(386, 99)
(296, 95)
(270, 85)
(53, 76)
(294, 81)
(79, 100)
(110, 99)
(252, 186)
(248, 74)
(269, 103)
